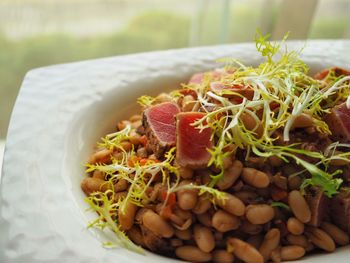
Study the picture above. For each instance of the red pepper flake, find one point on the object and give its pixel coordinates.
(133, 160)
(164, 195)
(171, 198)
(167, 211)
(321, 75)
(143, 161)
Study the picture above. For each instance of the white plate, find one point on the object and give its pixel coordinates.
(61, 112)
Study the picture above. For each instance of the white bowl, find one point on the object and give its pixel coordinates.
(62, 111)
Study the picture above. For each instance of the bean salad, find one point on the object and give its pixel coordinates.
(240, 164)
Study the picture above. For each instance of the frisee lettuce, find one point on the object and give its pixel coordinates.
(145, 100)
(140, 176)
(112, 141)
(106, 208)
(265, 47)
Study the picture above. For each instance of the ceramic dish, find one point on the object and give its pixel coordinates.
(62, 111)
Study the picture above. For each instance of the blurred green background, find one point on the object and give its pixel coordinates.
(36, 33)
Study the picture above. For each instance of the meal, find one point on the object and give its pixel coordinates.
(242, 162)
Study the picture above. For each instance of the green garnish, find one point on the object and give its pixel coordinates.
(112, 141)
(145, 100)
(266, 48)
(321, 178)
(280, 204)
(140, 176)
(104, 205)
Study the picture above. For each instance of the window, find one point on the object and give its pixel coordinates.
(35, 33)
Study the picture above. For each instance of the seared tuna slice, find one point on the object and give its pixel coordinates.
(160, 126)
(338, 121)
(196, 78)
(192, 144)
(199, 77)
(337, 72)
(318, 204)
(340, 211)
